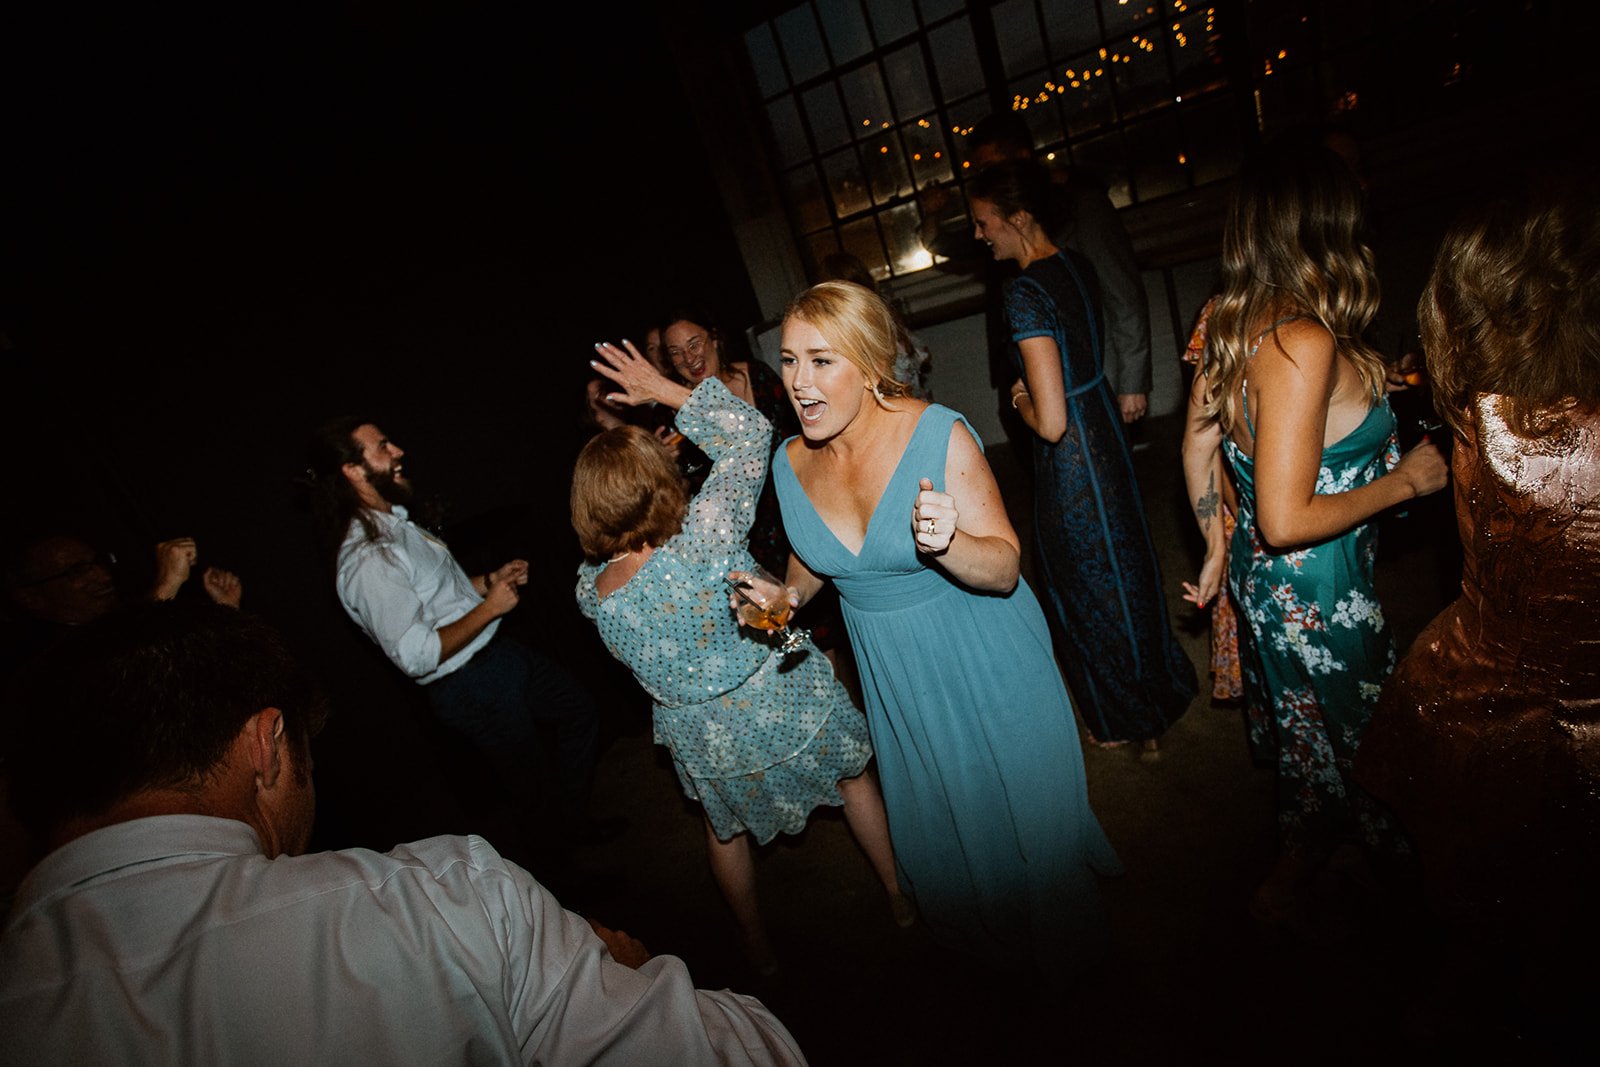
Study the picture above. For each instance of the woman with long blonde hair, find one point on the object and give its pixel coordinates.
(890, 499)
(1294, 398)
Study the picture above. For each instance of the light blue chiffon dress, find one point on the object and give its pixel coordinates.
(977, 747)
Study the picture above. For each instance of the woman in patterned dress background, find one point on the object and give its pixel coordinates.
(1484, 742)
(1295, 399)
(1100, 577)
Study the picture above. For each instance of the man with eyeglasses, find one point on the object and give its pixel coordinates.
(56, 581)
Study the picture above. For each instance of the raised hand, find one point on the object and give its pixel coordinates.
(933, 519)
(636, 377)
(763, 589)
(672, 439)
(604, 411)
(515, 572)
(1424, 467)
(174, 558)
(502, 586)
(222, 586)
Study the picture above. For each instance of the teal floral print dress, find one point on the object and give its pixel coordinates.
(1315, 649)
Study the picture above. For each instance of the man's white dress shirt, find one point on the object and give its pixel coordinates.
(401, 588)
(172, 939)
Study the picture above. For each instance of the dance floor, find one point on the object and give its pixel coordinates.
(1190, 978)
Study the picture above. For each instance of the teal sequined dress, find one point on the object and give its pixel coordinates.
(758, 738)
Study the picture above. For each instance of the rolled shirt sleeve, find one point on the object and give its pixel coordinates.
(401, 588)
(570, 1002)
(439, 951)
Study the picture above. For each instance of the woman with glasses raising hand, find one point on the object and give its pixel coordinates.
(697, 350)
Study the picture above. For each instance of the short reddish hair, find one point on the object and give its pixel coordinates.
(626, 492)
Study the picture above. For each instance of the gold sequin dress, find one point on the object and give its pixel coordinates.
(1485, 740)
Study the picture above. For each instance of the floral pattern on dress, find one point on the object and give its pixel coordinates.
(1315, 650)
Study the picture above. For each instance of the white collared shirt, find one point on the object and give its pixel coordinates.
(401, 588)
(172, 939)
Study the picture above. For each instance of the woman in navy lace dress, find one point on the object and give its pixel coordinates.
(1129, 677)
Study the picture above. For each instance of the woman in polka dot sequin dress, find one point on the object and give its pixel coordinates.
(759, 738)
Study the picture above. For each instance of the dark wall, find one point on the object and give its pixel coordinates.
(220, 226)
(218, 231)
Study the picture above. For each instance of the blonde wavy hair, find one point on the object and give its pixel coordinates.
(1513, 306)
(1291, 246)
(859, 325)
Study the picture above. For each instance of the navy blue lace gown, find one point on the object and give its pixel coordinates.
(1098, 574)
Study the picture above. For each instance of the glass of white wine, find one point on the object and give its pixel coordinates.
(763, 602)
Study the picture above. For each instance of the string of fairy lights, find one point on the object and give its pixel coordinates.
(1084, 78)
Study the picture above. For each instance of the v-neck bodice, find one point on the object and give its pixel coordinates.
(972, 730)
(888, 547)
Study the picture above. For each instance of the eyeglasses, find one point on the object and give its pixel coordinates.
(695, 346)
(74, 572)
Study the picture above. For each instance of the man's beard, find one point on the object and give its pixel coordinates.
(387, 487)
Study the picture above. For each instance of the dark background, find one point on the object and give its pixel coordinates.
(216, 231)
(221, 226)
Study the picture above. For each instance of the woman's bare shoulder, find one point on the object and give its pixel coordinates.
(1300, 331)
(1303, 343)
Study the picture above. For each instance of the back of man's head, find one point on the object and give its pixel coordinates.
(150, 697)
(1001, 135)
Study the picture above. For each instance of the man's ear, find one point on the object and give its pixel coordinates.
(266, 745)
(355, 472)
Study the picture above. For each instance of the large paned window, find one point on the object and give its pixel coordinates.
(860, 99)
(869, 101)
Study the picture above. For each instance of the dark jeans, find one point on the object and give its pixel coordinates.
(508, 701)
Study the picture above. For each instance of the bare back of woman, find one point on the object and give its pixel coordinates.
(1310, 351)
